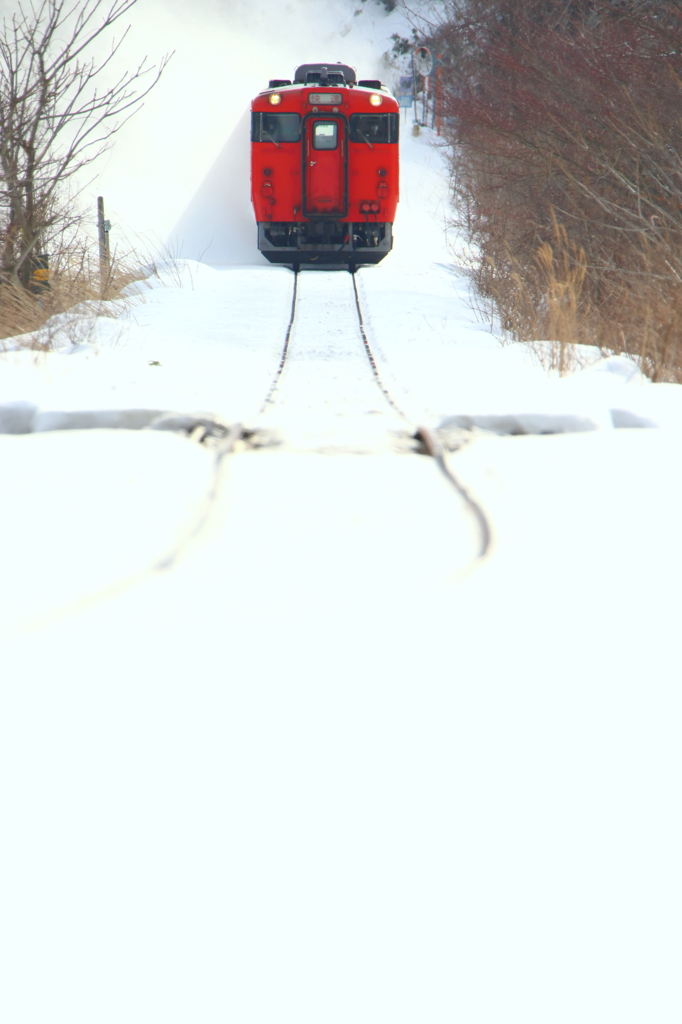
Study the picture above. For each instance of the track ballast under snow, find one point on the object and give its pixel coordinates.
(327, 397)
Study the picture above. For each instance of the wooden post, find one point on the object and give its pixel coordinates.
(103, 228)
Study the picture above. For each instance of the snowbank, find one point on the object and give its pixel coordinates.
(326, 765)
(89, 511)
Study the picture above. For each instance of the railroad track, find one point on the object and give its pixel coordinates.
(326, 342)
(328, 394)
(359, 324)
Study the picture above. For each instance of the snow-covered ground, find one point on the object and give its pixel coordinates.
(275, 745)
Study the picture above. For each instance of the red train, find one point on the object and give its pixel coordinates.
(324, 168)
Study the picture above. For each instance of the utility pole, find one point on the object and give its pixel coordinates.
(103, 229)
(414, 90)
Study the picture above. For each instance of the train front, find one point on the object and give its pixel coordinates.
(324, 168)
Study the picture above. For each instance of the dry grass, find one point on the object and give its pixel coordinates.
(639, 315)
(547, 300)
(74, 279)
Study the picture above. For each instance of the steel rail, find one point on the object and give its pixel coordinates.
(280, 368)
(430, 443)
(434, 448)
(221, 446)
(220, 449)
(372, 362)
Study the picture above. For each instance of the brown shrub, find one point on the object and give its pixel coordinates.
(564, 119)
(74, 278)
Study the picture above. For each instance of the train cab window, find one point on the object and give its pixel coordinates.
(333, 78)
(275, 128)
(373, 128)
(325, 135)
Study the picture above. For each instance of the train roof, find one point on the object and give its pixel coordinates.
(325, 74)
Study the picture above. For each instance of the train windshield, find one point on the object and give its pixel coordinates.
(374, 128)
(333, 78)
(276, 128)
(325, 135)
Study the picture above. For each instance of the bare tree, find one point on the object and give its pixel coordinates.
(54, 118)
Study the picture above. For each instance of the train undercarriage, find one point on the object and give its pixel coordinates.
(324, 243)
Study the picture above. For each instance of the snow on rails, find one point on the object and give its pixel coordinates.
(328, 395)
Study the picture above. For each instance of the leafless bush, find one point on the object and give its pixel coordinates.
(564, 119)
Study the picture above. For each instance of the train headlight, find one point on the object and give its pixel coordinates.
(375, 100)
(274, 98)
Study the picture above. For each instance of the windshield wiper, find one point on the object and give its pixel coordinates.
(363, 136)
(270, 137)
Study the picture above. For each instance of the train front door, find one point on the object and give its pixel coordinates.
(325, 167)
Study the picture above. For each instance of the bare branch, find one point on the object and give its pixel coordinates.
(54, 121)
